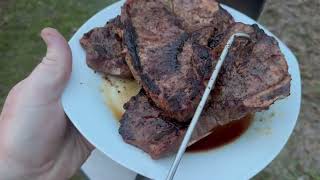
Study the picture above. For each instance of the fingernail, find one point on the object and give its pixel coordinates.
(47, 35)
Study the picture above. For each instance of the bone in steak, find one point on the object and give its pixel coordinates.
(253, 77)
(104, 49)
(169, 62)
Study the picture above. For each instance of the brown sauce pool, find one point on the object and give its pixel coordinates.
(222, 135)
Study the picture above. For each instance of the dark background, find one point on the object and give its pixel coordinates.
(296, 22)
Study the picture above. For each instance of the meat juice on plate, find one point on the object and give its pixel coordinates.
(223, 135)
(117, 91)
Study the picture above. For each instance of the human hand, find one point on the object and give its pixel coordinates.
(36, 139)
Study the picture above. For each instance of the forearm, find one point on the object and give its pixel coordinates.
(12, 171)
(61, 169)
(16, 171)
(14, 165)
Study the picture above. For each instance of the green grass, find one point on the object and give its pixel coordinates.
(20, 24)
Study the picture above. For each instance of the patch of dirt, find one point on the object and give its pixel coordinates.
(297, 23)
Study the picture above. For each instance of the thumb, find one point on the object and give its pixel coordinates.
(49, 78)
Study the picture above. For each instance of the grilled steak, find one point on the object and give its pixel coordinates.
(253, 77)
(104, 49)
(143, 126)
(170, 63)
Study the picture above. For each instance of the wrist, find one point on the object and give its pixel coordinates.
(11, 170)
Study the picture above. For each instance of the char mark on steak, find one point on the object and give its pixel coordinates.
(171, 64)
(254, 75)
(143, 126)
(172, 53)
(104, 46)
(253, 70)
(104, 49)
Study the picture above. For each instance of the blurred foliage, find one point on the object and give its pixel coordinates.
(21, 21)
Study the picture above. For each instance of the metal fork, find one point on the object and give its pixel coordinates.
(200, 107)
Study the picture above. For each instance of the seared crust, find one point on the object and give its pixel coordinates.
(170, 64)
(104, 49)
(172, 52)
(143, 126)
(254, 76)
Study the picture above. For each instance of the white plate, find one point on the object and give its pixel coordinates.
(242, 159)
(100, 167)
